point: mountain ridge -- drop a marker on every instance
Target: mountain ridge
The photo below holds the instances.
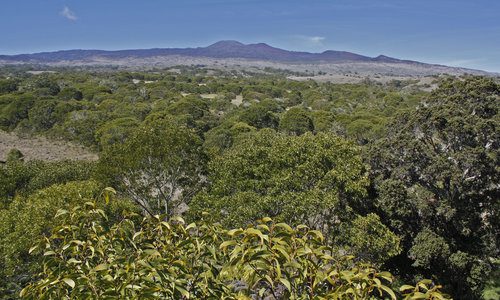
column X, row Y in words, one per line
column 220, row 49
column 230, row 53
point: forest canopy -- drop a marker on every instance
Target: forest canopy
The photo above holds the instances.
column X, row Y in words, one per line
column 227, row 185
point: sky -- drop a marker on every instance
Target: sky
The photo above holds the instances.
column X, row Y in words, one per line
column 463, row 33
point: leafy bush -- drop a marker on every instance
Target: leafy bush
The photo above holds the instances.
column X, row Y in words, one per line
column 28, row 218
column 311, row 179
column 24, row 178
column 158, row 167
column 154, row 259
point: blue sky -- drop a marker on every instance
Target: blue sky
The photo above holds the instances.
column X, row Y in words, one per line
column 454, row 32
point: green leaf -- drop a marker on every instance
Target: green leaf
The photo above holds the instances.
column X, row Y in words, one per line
column 178, row 219
column 418, row 295
column 406, row 288
column 284, row 226
column 136, row 235
column 32, row 249
column 234, row 232
column 101, row 267
column 60, row 212
column 388, row 291
column 227, row 244
column 69, row 282
column 107, row 192
column 190, row 226
column 386, row 275
column 286, row 283
column 74, row 261
column 24, row 292
column 110, row 189
column 183, row 291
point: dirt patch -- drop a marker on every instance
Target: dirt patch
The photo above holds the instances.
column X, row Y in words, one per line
column 208, row 96
column 238, row 100
column 136, row 81
column 42, row 148
column 40, row 72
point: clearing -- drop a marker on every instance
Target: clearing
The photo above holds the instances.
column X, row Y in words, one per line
column 42, row 148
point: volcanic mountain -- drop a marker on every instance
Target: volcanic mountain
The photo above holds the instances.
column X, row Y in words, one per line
column 233, row 54
column 221, row 50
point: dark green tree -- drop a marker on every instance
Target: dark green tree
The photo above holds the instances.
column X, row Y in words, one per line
column 159, row 166
column 437, row 179
column 296, row 121
column 315, row 179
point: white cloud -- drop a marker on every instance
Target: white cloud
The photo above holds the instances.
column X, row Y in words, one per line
column 317, row 39
column 310, row 41
column 68, row 14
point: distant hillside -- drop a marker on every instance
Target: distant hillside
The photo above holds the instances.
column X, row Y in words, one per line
column 222, row 49
column 236, row 54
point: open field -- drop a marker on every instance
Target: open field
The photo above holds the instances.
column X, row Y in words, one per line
column 42, row 148
column 340, row 72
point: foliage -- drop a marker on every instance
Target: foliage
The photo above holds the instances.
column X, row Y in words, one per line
column 14, row 155
column 41, row 115
column 116, row 131
column 437, row 177
column 262, row 114
column 14, row 109
column 222, row 137
column 492, row 287
column 432, row 157
column 154, row 259
column 296, row 121
column 19, row 177
column 159, row 166
column 69, row 93
column 369, row 239
column 314, row 179
column 8, row 86
column 27, row 218
column 429, row 249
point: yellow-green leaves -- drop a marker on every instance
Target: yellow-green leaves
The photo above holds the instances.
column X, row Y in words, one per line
column 69, row 282
column 155, row 259
column 107, row 192
column 297, row 179
column 424, row 289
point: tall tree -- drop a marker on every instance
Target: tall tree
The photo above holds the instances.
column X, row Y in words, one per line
column 437, row 179
column 159, row 166
column 315, row 179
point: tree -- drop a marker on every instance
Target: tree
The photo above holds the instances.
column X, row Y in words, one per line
column 262, row 114
column 80, row 126
column 116, row 131
column 370, row 240
column 159, row 166
column 70, row 93
column 296, row 121
column 41, row 115
column 29, row 218
column 44, row 85
column 8, row 86
column 324, row 121
column 193, row 106
column 14, row 155
column 153, row 259
column 315, row 179
column 437, row 182
column 14, row 109
column 222, row 137
column 18, row 177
